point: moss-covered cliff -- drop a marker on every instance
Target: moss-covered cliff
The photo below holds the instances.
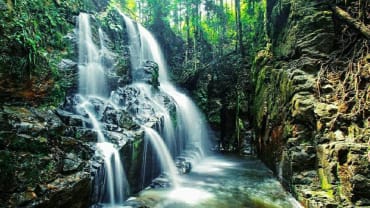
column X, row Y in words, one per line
column 310, row 105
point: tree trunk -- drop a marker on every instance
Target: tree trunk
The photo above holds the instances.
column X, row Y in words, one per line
column 356, row 24
column 239, row 27
column 223, row 28
column 187, row 23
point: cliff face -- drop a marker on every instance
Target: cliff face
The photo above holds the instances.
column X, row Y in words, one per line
column 310, row 105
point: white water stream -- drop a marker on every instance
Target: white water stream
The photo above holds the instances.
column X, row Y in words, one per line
column 91, row 84
column 191, row 130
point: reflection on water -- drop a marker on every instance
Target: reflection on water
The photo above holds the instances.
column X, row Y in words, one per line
column 223, row 181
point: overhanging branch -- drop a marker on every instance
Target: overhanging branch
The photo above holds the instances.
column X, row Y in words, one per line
column 356, row 24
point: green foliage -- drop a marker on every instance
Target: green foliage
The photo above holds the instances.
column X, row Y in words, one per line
column 32, row 30
column 32, row 43
column 155, row 75
column 206, row 22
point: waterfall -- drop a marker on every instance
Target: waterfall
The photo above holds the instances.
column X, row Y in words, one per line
column 191, row 129
column 164, row 156
column 91, row 70
column 92, row 85
column 178, row 133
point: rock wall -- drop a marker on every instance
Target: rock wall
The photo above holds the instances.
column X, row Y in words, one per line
column 41, row 163
column 217, row 89
column 310, row 104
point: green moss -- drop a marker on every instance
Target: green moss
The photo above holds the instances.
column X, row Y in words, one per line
column 354, row 131
column 155, row 75
column 286, row 87
column 325, row 185
column 34, row 39
column 214, row 119
column 173, row 115
column 122, row 67
column 29, row 144
column 136, row 152
column 273, row 89
column 260, row 106
column 288, row 130
column 262, row 202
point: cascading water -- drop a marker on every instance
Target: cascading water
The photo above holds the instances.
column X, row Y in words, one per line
column 92, row 85
column 191, row 132
column 164, row 155
column 91, row 71
column 190, row 129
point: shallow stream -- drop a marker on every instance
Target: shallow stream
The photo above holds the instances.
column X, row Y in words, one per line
column 222, row 181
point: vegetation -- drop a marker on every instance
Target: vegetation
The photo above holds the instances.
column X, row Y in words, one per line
column 210, row 29
column 32, row 42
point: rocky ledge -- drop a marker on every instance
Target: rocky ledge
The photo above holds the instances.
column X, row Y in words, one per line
column 42, row 164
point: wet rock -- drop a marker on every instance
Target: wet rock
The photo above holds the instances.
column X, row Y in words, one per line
column 134, row 203
column 305, row 177
column 41, row 189
column 303, row 161
column 67, row 65
column 303, row 106
column 328, row 88
column 302, row 82
column 125, row 121
column 71, row 163
column 322, row 152
column 183, row 166
column 160, row 182
column 309, row 198
column 110, row 115
column 71, row 191
column 339, row 136
column 26, row 197
column 24, row 142
column 148, row 73
column 361, row 185
column 324, row 110
column 73, row 119
column 246, row 146
column 8, row 171
column 34, row 156
column 85, row 134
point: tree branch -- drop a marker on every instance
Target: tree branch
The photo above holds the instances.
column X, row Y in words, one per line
column 356, row 24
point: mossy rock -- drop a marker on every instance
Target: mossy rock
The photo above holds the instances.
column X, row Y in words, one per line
column 26, row 143
column 126, row 122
